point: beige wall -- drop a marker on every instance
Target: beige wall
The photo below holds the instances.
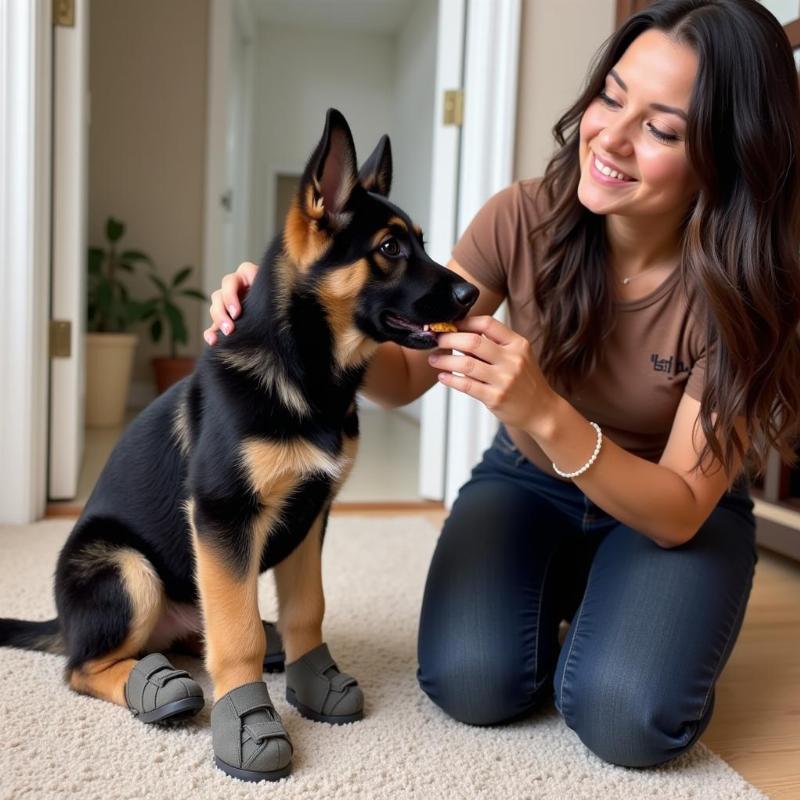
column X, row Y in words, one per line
column 558, row 40
column 147, row 78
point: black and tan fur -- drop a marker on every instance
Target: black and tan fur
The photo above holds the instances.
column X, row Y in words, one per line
column 233, row 470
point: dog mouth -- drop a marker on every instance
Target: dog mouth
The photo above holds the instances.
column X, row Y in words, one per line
column 419, row 332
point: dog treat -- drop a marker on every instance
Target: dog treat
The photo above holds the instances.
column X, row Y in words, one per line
column 443, row 327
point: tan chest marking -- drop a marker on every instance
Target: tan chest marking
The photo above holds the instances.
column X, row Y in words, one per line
column 274, row 466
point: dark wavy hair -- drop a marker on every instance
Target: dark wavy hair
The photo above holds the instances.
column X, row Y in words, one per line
column 740, row 236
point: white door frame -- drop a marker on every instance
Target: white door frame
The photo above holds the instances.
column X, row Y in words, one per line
column 25, row 125
column 70, row 179
column 487, row 164
column 447, row 142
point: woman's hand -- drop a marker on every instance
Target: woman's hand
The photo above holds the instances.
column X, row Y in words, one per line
column 225, row 302
column 498, row 368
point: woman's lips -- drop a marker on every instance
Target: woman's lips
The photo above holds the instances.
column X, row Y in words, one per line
column 606, row 180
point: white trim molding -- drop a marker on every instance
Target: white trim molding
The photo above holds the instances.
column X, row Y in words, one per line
column 487, row 163
column 25, row 161
column 219, row 37
column 442, row 230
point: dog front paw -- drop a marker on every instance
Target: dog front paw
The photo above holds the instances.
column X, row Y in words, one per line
column 250, row 742
column 320, row 691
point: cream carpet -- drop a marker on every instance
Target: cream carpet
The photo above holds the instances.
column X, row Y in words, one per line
column 56, row 744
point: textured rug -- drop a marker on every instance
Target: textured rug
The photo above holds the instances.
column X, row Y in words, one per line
column 57, row 744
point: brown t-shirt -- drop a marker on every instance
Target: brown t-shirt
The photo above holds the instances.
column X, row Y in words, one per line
column 655, row 354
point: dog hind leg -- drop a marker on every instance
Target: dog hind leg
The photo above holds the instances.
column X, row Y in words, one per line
column 105, row 676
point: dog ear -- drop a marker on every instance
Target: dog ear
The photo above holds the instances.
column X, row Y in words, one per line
column 376, row 173
column 331, row 173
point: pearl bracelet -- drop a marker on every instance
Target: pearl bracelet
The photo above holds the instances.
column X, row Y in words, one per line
column 589, row 462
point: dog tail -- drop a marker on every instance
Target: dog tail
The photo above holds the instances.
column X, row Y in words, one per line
column 43, row 636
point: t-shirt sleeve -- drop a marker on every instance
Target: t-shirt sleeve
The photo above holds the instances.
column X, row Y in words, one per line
column 697, row 377
column 486, row 247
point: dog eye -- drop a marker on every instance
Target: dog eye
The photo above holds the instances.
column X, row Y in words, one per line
column 391, row 248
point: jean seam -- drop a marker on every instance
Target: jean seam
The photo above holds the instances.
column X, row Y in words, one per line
column 574, row 637
column 537, row 684
column 739, row 615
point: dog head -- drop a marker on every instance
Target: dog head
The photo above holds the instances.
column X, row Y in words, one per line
column 361, row 254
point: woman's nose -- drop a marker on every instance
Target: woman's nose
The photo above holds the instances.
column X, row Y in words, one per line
column 615, row 139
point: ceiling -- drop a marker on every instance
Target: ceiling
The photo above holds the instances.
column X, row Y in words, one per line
column 368, row 16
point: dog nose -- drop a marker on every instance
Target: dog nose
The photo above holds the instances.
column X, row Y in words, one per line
column 465, row 294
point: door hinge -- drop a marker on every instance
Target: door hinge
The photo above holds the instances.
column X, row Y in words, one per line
column 60, row 338
column 454, row 107
column 64, row 13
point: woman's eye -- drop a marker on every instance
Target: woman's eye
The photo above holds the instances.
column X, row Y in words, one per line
column 391, row 248
column 664, row 137
column 607, row 100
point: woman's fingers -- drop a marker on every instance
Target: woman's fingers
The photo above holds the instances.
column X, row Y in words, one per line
column 231, row 284
column 248, row 270
column 235, row 286
column 210, row 336
column 219, row 313
column 225, row 301
column 466, row 365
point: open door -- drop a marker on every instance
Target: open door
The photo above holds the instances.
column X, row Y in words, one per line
column 69, row 243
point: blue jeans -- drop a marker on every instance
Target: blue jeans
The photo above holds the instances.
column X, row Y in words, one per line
column 651, row 628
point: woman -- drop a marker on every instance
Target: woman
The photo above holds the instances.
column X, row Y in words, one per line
column 653, row 288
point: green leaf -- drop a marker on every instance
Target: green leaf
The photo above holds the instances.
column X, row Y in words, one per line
column 155, row 330
column 149, row 307
column 181, row 276
column 158, row 282
column 96, row 257
column 114, row 229
column 175, row 318
column 194, row 293
column 136, row 255
column 126, row 267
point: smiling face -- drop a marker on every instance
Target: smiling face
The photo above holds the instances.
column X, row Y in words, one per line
column 633, row 124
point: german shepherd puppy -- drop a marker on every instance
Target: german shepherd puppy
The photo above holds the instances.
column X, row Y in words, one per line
column 233, row 470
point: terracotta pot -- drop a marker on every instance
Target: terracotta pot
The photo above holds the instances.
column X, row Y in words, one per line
column 109, row 363
column 171, row 370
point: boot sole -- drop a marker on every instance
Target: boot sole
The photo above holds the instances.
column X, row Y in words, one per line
column 251, row 775
column 174, row 711
column 342, row 719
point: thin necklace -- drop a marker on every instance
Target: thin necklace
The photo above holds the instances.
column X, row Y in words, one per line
column 633, row 277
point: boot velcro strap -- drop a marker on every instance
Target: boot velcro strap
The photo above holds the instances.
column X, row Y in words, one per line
column 341, row 681
column 319, row 659
column 250, row 697
column 160, row 678
column 261, row 731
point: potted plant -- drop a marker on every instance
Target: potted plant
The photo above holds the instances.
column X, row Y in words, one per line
column 165, row 313
column 109, row 345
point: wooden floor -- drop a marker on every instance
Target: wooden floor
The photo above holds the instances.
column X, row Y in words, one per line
column 756, row 722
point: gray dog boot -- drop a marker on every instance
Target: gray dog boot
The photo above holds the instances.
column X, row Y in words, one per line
column 319, row 691
column 157, row 692
column 250, row 742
